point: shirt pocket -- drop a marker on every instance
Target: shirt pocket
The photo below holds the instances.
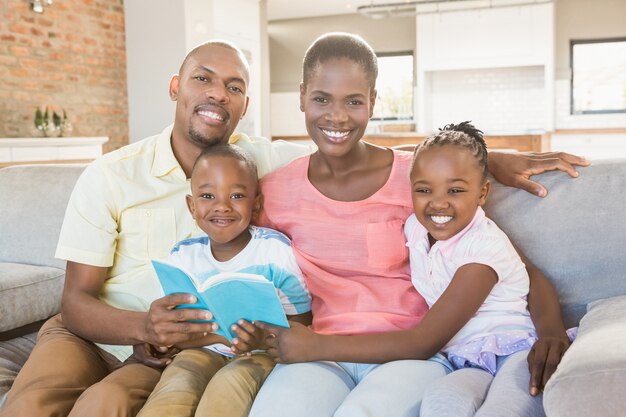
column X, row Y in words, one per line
column 147, row 233
column 386, row 245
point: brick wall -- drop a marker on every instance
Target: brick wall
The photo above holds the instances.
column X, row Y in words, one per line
column 72, row 56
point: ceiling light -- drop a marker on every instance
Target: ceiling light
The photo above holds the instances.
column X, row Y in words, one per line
column 412, row 8
column 37, row 6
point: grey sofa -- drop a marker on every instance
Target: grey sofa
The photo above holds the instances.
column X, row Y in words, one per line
column 32, row 204
column 576, row 235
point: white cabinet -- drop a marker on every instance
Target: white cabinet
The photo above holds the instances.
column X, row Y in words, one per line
column 28, row 150
column 494, row 66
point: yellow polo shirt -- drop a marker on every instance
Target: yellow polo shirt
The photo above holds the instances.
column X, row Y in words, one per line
column 128, row 207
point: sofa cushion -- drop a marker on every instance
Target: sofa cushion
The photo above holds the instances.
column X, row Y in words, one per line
column 575, row 235
column 31, row 216
column 28, row 294
column 594, row 367
column 13, row 355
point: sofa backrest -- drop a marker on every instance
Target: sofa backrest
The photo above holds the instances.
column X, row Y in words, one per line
column 576, row 235
column 32, row 205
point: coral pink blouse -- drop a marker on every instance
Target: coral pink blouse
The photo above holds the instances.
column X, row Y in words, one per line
column 352, row 254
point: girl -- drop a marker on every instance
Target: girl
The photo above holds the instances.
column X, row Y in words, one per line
column 463, row 264
column 344, row 207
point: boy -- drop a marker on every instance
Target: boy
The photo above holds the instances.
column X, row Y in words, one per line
column 225, row 198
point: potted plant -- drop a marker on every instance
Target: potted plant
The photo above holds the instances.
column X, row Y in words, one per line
column 42, row 120
column 59, row 126
column 64, row 125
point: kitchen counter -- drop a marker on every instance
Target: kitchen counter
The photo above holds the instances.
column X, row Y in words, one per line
column 15, row 151
column 538, row 142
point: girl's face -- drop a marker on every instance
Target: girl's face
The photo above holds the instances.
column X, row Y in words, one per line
column 447, row 188
column 337, row 102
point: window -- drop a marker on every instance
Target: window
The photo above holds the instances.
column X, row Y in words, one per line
column 395, row 87
column 598, row 76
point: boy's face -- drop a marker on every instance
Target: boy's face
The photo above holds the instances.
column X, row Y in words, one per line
column 224, row 200
column 447, row 187
column 337, row 102
column 210, row 94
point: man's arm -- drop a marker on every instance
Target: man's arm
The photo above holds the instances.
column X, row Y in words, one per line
column 271, row 155
column 515, row 169
column 87, row 316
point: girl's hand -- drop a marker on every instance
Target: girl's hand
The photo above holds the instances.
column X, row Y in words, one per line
column 295, row 344
column 543, row 359
column 155, row 357
column 515, row 169
column 249, row 337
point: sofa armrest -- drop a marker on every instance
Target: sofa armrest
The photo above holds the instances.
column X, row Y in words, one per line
column 590, row 379
column 28, row 294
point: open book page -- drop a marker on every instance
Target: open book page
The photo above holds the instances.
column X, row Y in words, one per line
column 175, row 280
column 229, row 296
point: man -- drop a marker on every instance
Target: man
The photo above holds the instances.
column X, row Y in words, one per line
column 127, row 208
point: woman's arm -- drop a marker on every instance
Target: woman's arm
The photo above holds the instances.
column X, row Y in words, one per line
column 459, row 302
column 250, row 336
column 545, row 311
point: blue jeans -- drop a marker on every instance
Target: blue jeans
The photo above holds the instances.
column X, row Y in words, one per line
column 473, row 392
column 325, row 389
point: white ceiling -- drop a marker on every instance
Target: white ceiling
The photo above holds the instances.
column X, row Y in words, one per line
column 293, row 9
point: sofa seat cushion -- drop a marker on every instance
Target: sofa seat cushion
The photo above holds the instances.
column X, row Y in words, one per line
column 13, row 355
column 28, row 293
column 590, row 379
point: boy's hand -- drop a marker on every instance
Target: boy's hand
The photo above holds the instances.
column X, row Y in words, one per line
column 543, row 359
column 155, row 357
column 295, row 344
column 249, row 337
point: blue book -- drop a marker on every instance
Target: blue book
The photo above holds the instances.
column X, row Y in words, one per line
column 228, row 296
